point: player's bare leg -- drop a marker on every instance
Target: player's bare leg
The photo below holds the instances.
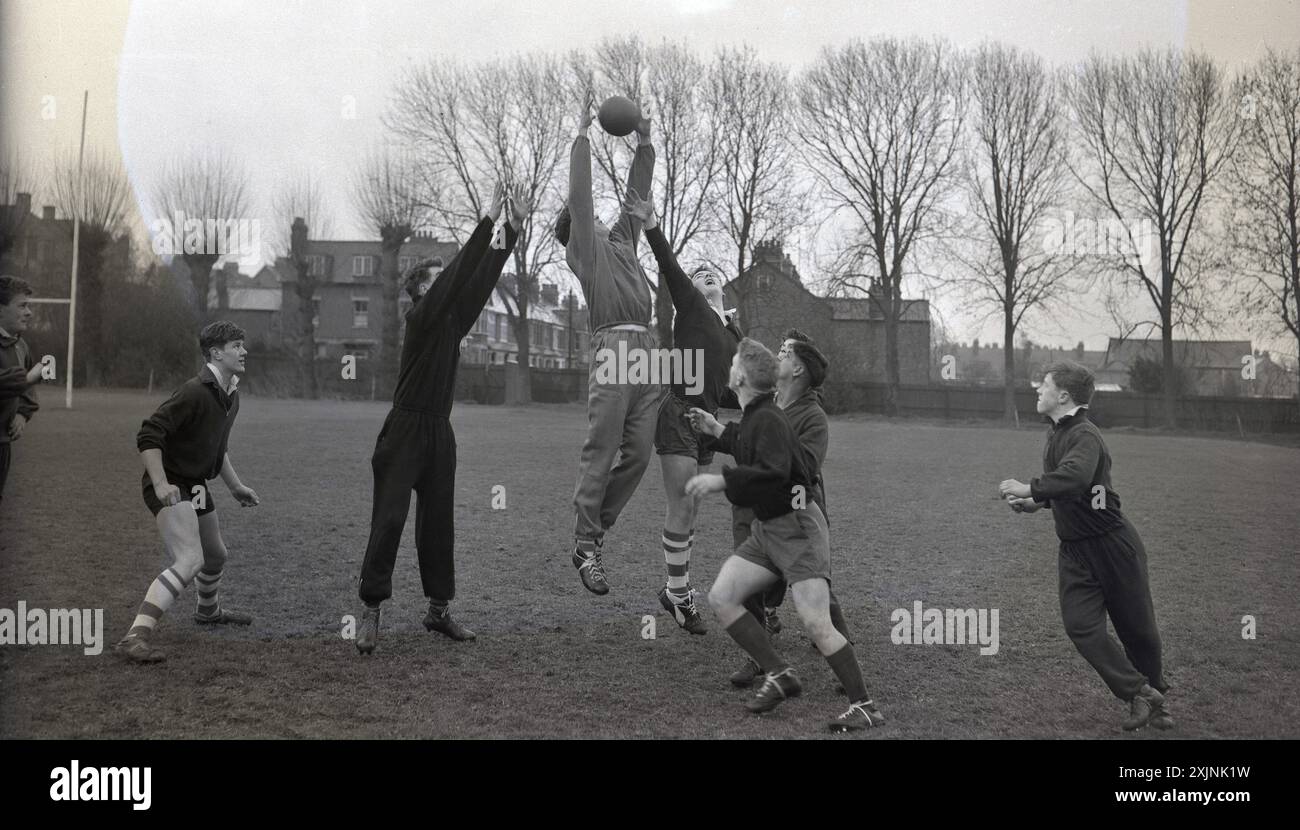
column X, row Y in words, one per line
column 812, row 601
column 178, row 525
column 737, row 580
column 208, row 581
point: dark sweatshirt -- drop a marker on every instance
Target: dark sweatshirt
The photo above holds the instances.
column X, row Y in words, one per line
column 17, row 397
column 698, row 326
column 1075, row 461
column 435, row 325
column 192, row 428
column 769, row 462
column 812, row 428
column 605, row 261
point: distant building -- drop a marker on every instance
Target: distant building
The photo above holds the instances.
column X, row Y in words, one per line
column 772, row 298
column 557, row 331
column 984, row 364
column 1211, row 367
column 41, row 252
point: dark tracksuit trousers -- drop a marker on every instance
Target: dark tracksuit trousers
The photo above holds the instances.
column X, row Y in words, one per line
column 416, row 449
column 1102, row 564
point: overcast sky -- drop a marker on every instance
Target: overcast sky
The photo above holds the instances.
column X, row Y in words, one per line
column 267, row 80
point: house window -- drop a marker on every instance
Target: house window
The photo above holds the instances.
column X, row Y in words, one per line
column 360, row 353
column 322, row 350
column 317, row 265
column 498, row 327
column 360, row 312
column 315, row 312
column 363, row 266
column 404, row 263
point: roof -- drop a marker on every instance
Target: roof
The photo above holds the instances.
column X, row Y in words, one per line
column 1193, row 354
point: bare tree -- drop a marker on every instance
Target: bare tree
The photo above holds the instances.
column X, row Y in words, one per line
column 196, row 200
column 300, row 215
column 753, row 132
column 384, row 192
column 1265, row 182
column 882, row 124
column 1155, row 129
column 99, row 196
column 1016, row 173
column 15, row 177
column 474, row 127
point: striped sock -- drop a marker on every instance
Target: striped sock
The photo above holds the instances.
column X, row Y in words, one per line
column 677, row 556
column 162, row 592
column 207, row 584
column 585, row 546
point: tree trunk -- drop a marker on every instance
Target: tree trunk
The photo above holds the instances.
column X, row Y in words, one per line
column 523, row 332
column 1171, row 370
column 90, row 307
column 892, row 375
column 200, row 267
column 1008, row 367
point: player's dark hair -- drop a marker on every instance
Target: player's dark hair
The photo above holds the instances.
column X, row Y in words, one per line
column 217, row 335
column 814, row 362
column 795, row 334
column 759, row 364
column 11, row 287
column 1074, row 378
column 416, row 275
column 563, row 222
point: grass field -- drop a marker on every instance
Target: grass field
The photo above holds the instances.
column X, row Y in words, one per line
column 914, row 517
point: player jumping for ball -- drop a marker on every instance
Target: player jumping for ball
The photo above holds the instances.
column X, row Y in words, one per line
column 701, row 326
column 183, row 446
column 786, row 541
column 416, row 449
column 620, row 416
column 1102, row 563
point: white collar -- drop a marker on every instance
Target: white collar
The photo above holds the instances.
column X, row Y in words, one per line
column 226, row 386
column 1072, row 412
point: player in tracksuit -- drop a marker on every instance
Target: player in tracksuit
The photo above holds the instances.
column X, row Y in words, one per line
column 702, row 327
column 788, row 540
column 1102, row 564
column 416, row 448
column 620, row 416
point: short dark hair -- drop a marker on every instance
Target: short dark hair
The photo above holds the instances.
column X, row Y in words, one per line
column 416, row 274
column 216, row 335
column 11, row 287
column 795, row 334
column 814, row 362
column 1074, row 378
column 563, row 222
column 759, row 364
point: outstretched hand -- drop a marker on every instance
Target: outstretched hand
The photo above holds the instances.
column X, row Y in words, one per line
column 643, row 128
column 639, row 208
column 520, row 206
column 498, row 201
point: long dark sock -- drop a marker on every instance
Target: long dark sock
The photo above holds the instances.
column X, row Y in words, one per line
column 750, row 635
column 845, row 665
column 837, row 619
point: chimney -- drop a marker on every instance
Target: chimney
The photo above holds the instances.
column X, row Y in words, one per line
column 23, row 202
column 47, row 212
column 550, row 295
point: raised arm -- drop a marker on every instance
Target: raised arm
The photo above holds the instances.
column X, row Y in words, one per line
column 470, row 299
column 641, row 210
column 639, row 179
column 457, row 272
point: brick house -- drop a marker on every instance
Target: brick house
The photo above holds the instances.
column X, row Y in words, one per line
column 42, row 248
column 771, row 298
